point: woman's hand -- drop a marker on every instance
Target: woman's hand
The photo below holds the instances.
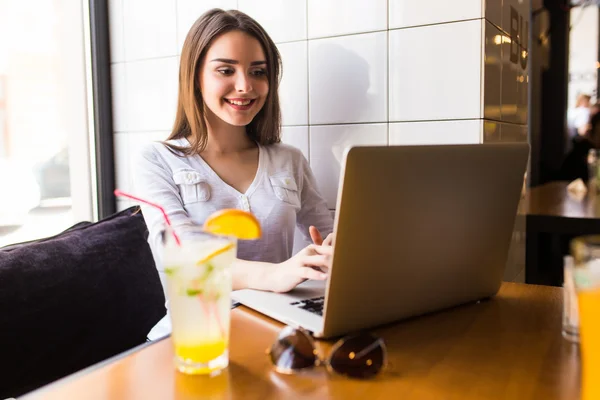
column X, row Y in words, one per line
column 317, row 238
column 310, row 263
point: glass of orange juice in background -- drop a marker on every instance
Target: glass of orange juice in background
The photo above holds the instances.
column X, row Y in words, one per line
column 586, row 274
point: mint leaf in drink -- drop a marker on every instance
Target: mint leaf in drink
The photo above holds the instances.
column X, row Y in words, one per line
column 171, row 270
column 209, row 269
column 193, row 292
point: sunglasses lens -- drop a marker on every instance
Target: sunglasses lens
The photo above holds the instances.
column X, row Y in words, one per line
column 292, row 350
column 359, row 356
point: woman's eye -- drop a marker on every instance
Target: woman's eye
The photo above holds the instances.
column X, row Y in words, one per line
column 225, row 71
column 259, row 72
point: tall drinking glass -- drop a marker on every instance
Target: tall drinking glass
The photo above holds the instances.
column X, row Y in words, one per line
column 198, row 274
column 586, row 274
column 593, row 161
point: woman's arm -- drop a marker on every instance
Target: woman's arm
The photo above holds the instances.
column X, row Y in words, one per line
column 282, row 277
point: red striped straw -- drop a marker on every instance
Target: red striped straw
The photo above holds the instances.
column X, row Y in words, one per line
column 121, row 193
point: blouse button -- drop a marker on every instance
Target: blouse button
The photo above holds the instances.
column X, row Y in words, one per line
column 245, row 203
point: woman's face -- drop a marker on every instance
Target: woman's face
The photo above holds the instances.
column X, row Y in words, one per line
column 233, row 78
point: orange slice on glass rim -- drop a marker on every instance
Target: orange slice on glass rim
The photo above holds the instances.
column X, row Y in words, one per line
column 231, row 222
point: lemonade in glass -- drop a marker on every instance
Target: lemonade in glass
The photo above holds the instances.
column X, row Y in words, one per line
column 586, row 253
column 198, row 273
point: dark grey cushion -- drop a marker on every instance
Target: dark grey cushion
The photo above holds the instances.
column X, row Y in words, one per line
column 74, row 299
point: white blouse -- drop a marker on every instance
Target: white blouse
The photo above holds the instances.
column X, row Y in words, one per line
column 282, row 196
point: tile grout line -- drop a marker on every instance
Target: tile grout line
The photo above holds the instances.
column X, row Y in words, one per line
column 482, row 59
column 379, row 30
column 389, row 60
column 308, row 152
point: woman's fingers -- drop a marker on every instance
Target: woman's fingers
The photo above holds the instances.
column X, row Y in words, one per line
column 316, row 260
column 323, row 250
column 309, row 273
column 313, row 249
column 315, row 235
column 317, row 238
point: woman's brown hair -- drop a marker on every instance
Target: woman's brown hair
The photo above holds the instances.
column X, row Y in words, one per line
column 189, row 120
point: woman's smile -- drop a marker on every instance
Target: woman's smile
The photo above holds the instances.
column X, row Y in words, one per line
column 240, row 104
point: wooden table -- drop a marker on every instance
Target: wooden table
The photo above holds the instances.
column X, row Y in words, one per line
column 509, row 347
column 553, row 200
column 553, row 217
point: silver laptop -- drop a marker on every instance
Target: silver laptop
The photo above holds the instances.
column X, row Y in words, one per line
column 418, row 229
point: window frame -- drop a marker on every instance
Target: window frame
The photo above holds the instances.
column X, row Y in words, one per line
column 102, row 108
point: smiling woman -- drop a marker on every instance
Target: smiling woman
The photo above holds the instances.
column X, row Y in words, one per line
column 224, row 152
column 227, row 60
column 234, row 90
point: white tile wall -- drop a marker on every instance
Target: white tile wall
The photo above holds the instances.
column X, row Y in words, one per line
column 435, row 72
column 341, row 17
column 123, row 176
column 327, row 147
column 348, row 79
column 116, row 32
column 404, row 13
column 296, row 136
column 151, row 94
column 436, row 132
column 293, row 90
column 283, row 20
column 119, row 97
column 127, row 147
column 123, row 204
column 150, row 29
column 188, row 11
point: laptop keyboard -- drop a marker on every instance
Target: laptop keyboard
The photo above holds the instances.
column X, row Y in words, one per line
column 314, row 305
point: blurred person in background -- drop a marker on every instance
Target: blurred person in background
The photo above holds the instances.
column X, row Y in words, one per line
column 578, row 118
column 585, row 137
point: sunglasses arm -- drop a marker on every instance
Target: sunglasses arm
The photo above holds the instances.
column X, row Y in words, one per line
column 367, row 349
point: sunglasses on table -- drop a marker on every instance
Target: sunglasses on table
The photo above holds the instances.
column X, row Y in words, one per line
column 357, row 356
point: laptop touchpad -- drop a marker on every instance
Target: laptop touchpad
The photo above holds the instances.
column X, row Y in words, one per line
column 307, row 290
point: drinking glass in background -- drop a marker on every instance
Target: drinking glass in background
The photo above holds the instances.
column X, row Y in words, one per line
column 586, row 276
column 198, row 272
column 593, row 162
column 570, row 326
